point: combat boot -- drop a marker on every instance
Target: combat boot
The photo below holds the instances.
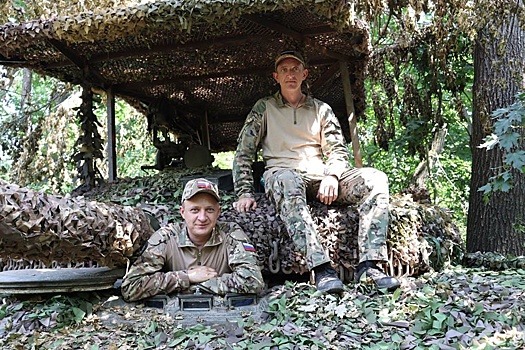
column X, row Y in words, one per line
column 326, row 280
column 369, row 269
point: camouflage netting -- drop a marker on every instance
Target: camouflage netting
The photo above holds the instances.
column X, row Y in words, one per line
column 493, row 261
column 53, row 230
column 206, row 59
column 421, row 236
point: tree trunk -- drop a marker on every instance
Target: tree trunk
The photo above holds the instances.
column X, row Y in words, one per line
column 496, row 226
column 425, row 167
column 27, row 83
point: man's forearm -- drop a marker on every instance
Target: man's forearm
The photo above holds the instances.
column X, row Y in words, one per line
column 242, row 175
column 247, row 280
column 136, row 287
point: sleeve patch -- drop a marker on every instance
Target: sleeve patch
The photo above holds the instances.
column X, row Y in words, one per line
column 248, row 247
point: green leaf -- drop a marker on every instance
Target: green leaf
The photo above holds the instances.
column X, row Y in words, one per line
column 503, row 125
column 516, row 160
column 370, row 315
column 397, row 338
column 395, row 296
column 151, row 327
column 179, row 341
column 79, row 314
column 204, row 338
column 500, row 112
column 502, row 185
column 438, row 322
column 509, row 140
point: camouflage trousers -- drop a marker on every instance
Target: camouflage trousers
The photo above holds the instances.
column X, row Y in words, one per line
column 365, row 187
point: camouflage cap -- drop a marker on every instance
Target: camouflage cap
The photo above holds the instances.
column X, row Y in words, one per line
column 289, row 54
column 200, row 185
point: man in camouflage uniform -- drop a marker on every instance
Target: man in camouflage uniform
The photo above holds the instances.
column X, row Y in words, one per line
column 306, row 157
column 216, row 256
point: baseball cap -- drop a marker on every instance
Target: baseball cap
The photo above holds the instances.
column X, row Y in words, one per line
column 289, row 54
column 200, row 185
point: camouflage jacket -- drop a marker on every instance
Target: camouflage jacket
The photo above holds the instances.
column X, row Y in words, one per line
column 162, row 267
column 307, row 139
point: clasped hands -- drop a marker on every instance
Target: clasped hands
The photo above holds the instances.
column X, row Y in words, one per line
column 198, row 274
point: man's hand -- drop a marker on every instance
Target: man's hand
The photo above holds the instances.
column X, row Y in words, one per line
column 199, row 274
column 328, row 190
column 245, row 204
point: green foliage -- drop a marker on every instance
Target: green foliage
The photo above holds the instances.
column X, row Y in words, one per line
column 43, row 160
column 507, row 137
column 448, row 181
column 40, row 158
column 134, row 145
column 5, row 163
column 223, row 160
column 416, row 84
column 55, row 312
column 411, row 96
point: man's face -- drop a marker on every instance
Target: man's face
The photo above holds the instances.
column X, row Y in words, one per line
column 290, row 73
column 200, row 213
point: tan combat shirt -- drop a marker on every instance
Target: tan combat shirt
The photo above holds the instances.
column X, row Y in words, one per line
column 162, row 267
column 307, row 139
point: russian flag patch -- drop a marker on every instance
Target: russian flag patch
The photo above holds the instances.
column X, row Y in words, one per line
column 248, row 247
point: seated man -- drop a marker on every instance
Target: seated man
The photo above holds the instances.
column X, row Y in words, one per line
column 307, row 157
column 198, row 252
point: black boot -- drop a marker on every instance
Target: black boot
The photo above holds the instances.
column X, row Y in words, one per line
column 371, row 270
column 326, row 280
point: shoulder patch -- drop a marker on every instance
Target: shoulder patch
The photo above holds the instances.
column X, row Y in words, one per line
column 248, row 247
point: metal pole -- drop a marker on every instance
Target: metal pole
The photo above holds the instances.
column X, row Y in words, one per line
column 111, row 150
column 352, row 122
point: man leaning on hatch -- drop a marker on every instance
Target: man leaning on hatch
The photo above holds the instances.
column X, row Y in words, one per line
column 306, row 157
column 200, row 252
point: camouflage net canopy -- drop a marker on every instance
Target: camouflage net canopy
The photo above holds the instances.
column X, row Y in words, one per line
column 201, row 64
column 421, row 236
